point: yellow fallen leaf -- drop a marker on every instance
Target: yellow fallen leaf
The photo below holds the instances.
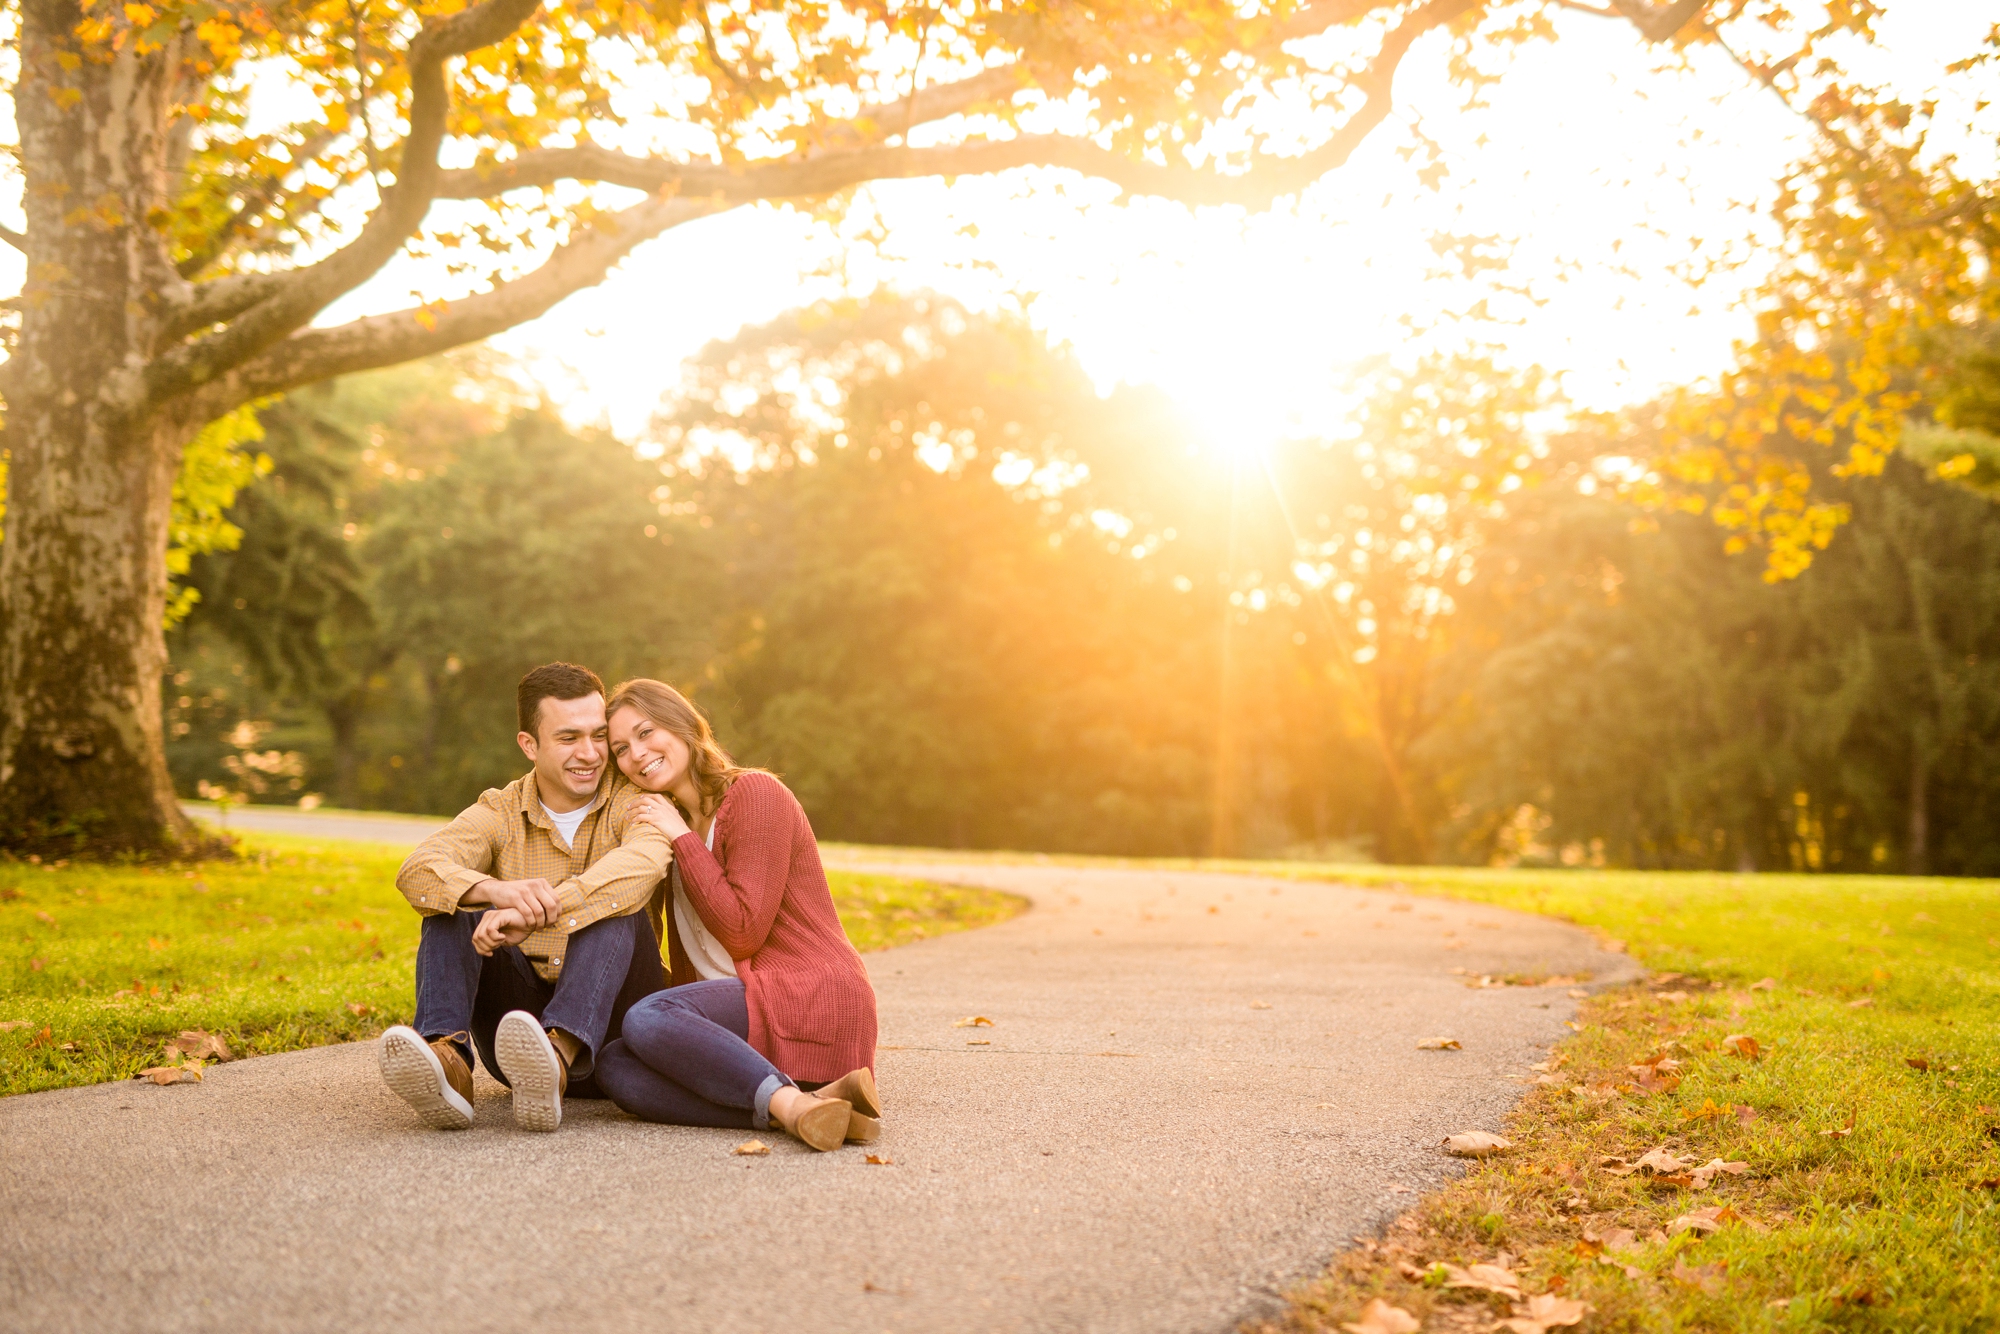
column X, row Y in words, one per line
column 877, row 1160
column 1439, row 1044
column 750, row 1148
column 1378, row 1317
column 1476, row 1144
column 972, row 1021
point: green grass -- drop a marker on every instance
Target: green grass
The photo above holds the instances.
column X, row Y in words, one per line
column 1893, row 1226
column 301, row 942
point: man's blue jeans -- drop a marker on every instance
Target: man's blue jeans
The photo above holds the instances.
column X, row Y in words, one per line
column 606, row 968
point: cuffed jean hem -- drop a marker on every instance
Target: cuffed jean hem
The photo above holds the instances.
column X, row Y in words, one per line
column 760, row 1105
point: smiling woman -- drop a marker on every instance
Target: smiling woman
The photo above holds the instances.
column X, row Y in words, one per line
column 302, row 942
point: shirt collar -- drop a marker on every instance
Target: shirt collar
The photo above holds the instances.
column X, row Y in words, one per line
column 531, row 799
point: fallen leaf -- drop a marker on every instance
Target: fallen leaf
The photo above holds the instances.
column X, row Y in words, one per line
column 1707, row 1171
column 750, row 1148
column 1672, row 997
column 973, row 1021
column 1841, row 1133
column 1620, row 1239
column 172, row 1074
column 1703, row 1221
column 43, row 1038
column 357, row 1009
column 979, row 1042
column 1765, row 984
column 1544, row 1312
column 1917, row 1062
column 1742, row 1044
column 877, row 1160
column 1708, row 1278
column 1484, row 1278
column 1378, row 1317
column 1660, row 1161
column 1260, row 1005
column 69, row 1046
column 1864, row 1003
column 1439, row 1044
column 1409, row 1271
column 1577, row 993
column 44, row 917
column 1745, row 1114
column 1475, row 1144
column 197, row 1044
column 1630, row 1271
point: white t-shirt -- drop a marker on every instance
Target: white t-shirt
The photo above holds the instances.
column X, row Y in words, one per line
column 704, row 951
column 567, row 821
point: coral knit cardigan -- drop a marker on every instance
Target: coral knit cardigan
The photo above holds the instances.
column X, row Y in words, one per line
column 763, row 893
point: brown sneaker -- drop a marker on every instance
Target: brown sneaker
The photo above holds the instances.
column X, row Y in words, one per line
column 430, row 1076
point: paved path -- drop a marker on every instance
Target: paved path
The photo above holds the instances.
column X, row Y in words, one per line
column 357, row 826
column 1196, row 1088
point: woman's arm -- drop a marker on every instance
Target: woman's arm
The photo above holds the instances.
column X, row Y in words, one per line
column 739, row 901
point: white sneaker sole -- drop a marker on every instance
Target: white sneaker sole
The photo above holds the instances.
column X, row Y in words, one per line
column 533, row 1070
column 413, row 1073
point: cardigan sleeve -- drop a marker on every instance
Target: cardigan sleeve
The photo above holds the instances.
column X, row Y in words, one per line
column 739, row 900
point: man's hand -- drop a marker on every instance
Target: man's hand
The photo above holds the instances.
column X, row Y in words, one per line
column 500, row 926
column 535, row 900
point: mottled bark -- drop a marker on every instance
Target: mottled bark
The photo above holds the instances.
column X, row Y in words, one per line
column 91, row 466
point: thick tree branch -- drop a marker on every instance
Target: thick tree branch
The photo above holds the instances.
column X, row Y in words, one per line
column 14, row 238
column 311, row 355
column 828, row 172
column 1656, row 23
column 303, row 293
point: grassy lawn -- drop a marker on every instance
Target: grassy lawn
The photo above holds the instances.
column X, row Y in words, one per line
column 303, row 942
column 1869, row 1118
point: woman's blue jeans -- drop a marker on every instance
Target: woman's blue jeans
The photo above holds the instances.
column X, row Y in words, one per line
column 684, row 1058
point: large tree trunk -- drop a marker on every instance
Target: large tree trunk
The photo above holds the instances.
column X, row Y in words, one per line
column 91, row 466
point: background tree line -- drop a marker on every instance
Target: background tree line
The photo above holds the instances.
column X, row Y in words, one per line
column 910, row 558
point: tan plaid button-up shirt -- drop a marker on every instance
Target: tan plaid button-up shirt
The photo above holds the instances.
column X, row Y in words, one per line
column 616, row 865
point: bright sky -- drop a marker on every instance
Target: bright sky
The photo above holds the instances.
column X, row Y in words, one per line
column 1598, row 167
column 1591, row 159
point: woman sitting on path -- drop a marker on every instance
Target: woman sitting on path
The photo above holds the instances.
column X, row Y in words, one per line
column 766, row 988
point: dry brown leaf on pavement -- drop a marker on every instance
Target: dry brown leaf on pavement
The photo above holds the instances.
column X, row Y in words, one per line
column 1476, row 1144
column 972, row 1021
column 1484, row 1278
column 172, row 1074
column 1439, row 1044
column 1742, row 1044
column 1378, row 1317
column 1544, row 1312
column 750, row 1148
column 877, row 1160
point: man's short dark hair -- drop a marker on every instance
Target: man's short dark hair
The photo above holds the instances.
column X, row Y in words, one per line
column 551, row 680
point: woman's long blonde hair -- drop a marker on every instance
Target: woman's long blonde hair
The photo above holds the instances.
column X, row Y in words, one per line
column 668, row 708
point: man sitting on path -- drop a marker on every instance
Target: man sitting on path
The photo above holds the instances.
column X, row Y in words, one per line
column 534, row 940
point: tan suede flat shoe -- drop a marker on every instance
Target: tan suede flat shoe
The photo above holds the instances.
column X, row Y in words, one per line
column 857, row 1087
column 822, row 1125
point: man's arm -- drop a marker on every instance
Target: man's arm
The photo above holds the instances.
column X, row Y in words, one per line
column 622, row 880
column 452, row 869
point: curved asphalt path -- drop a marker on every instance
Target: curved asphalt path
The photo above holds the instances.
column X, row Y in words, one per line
column 1196, row 1088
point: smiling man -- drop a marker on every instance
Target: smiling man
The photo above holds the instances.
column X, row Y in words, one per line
column 534, row 940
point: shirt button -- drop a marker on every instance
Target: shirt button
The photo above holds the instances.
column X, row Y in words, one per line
column 572, row 921
column 555, row 960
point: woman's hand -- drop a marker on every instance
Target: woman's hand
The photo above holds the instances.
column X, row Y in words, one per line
column 660, row 813
column 500, row 926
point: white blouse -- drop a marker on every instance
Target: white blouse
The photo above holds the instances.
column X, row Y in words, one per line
column 704, row 951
